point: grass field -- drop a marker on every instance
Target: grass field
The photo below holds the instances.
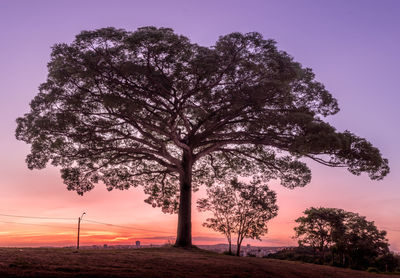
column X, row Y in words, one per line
column 154, row 262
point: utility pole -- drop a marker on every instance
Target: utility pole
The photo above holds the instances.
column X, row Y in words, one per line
column 79, row 228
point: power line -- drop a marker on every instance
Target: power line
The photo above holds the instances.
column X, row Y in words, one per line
column 37, row 217
column 125, row 227
column 33, row 224
column 392, row 230
column 64, row 218
column 98, row 222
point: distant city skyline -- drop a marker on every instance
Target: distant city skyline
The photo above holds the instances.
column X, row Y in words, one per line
column 352, row 47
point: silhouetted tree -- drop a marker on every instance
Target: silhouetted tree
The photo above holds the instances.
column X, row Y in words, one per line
column 239, row 208
column 388, row 262
column 358, row 242
column 320, row 228
column 221, row 202
column 151, row 108
column 364, row 243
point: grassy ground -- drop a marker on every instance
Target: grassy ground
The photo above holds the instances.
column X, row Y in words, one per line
column 154, row 262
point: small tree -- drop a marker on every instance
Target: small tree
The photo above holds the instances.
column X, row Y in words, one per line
column 221, row 201
column 241, row 209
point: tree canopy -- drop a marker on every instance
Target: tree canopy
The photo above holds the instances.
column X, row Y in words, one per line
column 239, row 208
column 151, row 108
column 321, row 227
column 357, row 242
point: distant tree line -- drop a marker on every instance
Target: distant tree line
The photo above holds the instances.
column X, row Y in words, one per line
column 340, row 238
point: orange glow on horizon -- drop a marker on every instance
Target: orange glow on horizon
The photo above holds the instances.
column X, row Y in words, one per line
column 65, row 234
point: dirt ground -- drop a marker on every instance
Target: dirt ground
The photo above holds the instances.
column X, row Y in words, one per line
column 155, row 262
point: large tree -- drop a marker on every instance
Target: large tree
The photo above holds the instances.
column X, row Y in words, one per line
column 151, row 108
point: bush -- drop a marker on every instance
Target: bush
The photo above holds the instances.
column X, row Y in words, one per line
column 387, row 263
column 304, row 254
column 372, row 270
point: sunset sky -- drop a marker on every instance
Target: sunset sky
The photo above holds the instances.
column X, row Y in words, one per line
column 352, row 46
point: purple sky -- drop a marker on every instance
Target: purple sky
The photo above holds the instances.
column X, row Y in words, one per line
column 352, row 46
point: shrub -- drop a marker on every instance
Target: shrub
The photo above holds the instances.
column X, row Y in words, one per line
column 372, row 270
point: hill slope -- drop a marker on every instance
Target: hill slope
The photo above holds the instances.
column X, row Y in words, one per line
column 154, row 262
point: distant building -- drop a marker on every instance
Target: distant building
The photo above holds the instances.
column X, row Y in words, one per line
column 138, row 244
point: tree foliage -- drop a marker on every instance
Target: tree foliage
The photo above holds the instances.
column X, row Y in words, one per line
column 151, row 108
column 356, row 242
column 241, row 209
column 320, row 228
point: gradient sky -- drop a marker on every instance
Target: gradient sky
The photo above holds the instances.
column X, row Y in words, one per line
column 352, row 46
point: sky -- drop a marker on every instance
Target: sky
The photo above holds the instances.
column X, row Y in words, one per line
column 352, row 47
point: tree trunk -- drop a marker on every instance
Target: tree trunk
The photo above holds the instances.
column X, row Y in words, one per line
column 322, row 250
column 184, row 234
column 239, row 243
column 238, row 250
